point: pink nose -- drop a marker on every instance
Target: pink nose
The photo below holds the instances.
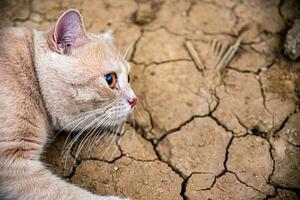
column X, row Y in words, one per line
column 132, row 102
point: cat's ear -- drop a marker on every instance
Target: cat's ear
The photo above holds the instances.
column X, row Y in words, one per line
column 68, row 33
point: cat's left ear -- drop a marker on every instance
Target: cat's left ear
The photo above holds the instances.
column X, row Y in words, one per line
column 68, row 33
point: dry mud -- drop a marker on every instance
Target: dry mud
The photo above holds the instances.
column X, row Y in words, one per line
column 196, row 134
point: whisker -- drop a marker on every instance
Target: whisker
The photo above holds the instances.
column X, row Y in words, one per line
column 84, row 140
column 118, row 140
column 68, row 147
column 104, row 133
column 101, row 133
column 105, row 123
column 85, row 114
column 86, row 118
column 112, row 141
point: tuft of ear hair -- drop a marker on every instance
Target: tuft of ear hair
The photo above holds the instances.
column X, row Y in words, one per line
column 68, row 33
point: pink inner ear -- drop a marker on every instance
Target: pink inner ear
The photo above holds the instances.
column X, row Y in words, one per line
column 68, row 31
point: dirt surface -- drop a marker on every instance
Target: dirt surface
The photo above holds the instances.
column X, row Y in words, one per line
column 196, row 134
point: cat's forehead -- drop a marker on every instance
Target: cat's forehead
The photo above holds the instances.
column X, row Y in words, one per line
column 117, row 65
column 103, row 54
column 114, row 62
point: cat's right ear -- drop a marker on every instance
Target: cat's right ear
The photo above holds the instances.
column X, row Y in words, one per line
column 68, row 33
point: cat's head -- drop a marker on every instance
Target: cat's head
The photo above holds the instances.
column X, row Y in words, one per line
column 84, row 79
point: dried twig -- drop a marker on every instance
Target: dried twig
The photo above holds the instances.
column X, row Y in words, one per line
column 193, row 53
column 224, row 53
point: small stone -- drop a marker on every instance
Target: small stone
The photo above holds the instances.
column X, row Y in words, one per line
column 144, row 14
column 292, row 41
column 263, row 69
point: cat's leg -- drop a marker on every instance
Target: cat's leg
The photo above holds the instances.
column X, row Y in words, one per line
column 23, row 176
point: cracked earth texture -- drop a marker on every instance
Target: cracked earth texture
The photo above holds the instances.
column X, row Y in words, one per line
column 196, row 134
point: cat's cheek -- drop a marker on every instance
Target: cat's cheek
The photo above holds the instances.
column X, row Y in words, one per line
column 86, row 95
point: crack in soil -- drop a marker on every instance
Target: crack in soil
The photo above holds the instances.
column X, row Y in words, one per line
column 280, row 12
column 154, row 142
column 131, row 59
column 190, row 8
column 245, row 183
column 160, row 62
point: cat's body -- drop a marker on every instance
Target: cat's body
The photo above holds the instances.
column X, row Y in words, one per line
column 45, row 84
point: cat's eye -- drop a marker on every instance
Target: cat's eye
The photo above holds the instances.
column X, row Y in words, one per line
column 111, row 79
column 128, row 78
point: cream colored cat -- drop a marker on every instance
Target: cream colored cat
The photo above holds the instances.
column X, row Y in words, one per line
column 48, row 80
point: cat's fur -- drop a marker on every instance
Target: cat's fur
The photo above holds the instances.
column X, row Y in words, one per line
column 47, row 79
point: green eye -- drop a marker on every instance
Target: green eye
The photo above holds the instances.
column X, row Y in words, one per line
column 111, row 79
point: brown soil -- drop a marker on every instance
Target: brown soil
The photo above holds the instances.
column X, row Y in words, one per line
column 196, row 134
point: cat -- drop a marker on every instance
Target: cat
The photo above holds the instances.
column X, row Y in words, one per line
column 47, row 81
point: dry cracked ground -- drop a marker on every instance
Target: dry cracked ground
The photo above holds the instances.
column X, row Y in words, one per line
column 196, row 134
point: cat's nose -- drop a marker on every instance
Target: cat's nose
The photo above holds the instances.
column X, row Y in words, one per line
column 132, row 102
